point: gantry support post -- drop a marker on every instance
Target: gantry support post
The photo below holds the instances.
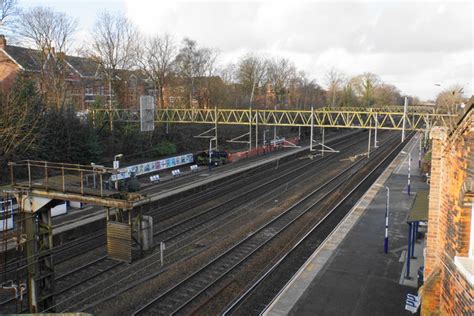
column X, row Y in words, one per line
column 39, row 246
column 31, row 246
column 275, row 127
column 322, row 143
column 312, row 130
column 256, row 130
column 376, row 127
column 250, row 129
column 215, row 126
column 405, row 106
column 368, row 145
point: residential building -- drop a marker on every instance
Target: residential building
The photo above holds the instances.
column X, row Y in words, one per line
column 85, row 85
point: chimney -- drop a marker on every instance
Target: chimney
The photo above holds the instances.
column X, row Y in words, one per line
column 3, row 41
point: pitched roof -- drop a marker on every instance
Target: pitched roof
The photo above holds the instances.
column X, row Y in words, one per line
column 30, row 60
column 86, row 67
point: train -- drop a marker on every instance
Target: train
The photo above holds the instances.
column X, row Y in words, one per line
column 218, row 158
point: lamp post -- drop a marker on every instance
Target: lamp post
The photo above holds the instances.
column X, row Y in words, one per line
column 385, row 244
column 210, row 152
column 409, row 172
column 116, row 165
column 387, row 205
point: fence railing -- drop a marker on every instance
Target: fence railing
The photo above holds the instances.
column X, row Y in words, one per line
column 64, row 177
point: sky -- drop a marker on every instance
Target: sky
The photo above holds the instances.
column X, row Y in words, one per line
column 411, row 44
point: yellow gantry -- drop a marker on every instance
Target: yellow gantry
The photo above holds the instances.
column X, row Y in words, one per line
column 389, row 117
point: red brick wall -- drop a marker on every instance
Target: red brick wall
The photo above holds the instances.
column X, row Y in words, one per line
column 8, row 72
column 449, row 222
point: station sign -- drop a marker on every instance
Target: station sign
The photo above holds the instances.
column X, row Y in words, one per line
column 147, row 113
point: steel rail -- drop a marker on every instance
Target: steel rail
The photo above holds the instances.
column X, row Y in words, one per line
column 153, row 212
column 253, row 190
column 147, row 277
column 75, row 243
column 235, row 304
column 242, row 242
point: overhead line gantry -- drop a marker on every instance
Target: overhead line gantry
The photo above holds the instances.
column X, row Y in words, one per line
column 389, row 118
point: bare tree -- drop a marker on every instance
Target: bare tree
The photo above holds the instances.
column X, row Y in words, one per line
column 334, row 80
column 450, row 100
column 46, row 29
column 386, row 94
column 364, row 85
column 251, row 74
column 209, row 75
column 228, row 74
column 8, row 10
column 279, row 74
column 156, row 59
column 348, row 95
column 113, row 49
column 21, row 111
column 50, row 32
column 192, row 63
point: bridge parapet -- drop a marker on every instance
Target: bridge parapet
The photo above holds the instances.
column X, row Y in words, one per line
column 71, row 182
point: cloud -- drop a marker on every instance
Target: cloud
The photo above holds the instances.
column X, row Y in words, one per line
column 412, row 43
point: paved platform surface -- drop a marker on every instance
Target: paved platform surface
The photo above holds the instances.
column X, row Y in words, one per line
column 350, row 274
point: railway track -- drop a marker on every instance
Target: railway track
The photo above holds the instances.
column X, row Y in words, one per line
column 260, row 293
column 76, row 247
column 179, row 297
column 75, row 278
column 152, row 260
column 187, row 202
column 199, row 222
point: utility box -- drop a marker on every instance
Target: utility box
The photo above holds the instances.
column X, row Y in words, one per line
column 147, row 232
column 119, row 241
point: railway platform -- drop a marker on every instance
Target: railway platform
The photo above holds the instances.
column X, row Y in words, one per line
column 175, row 188
column 172, row 187
column 350, row 274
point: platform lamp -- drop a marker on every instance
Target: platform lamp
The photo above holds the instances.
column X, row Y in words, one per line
column 408, row 171
column 116, row 165
column 387, row 205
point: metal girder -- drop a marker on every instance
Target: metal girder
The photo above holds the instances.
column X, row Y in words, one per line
column 88, row 199
column 323, row 117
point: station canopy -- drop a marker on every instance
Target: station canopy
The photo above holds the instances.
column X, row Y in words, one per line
column 419, row 209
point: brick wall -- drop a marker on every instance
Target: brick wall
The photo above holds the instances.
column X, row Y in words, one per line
column 446, row 291
column 8, row 73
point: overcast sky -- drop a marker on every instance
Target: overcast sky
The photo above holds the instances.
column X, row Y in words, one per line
column 412, row 45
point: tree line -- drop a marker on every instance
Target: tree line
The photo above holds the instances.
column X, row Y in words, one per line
column 119, row 49
column 37, row 123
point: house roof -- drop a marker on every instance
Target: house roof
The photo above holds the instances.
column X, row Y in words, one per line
column 84, row 66
column 29, row 59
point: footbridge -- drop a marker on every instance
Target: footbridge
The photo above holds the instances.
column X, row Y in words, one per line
column 415, row 118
